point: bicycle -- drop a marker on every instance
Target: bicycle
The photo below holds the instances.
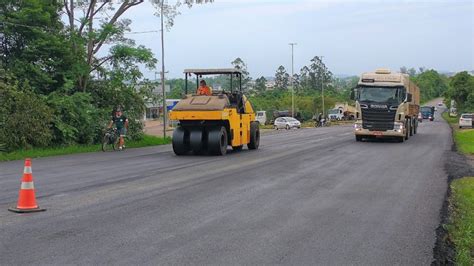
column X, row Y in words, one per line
column 110, row 139
column 322, row 123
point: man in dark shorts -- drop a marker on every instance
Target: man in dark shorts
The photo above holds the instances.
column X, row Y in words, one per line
column 121, row 123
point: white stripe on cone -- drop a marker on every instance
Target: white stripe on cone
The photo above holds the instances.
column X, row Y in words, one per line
column 27, row 170
column 27, row 185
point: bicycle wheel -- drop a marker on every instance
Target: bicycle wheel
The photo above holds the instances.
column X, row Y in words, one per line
column 115, row 144
column 105, row 143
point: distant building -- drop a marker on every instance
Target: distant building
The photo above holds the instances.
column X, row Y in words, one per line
column 270, row 85
column 153, row 105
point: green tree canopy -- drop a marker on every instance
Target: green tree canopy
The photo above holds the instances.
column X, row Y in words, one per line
column 462, row 91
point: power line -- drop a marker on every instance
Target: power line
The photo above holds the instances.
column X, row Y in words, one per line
column 26, row 26
column 141, row 32
column 51, row 30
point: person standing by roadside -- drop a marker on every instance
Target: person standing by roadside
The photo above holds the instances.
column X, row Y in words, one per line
column 121, row 123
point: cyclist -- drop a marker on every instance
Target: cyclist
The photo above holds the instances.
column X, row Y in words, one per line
column 121, row 123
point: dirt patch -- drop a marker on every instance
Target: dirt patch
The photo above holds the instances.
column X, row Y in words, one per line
column 456, row 166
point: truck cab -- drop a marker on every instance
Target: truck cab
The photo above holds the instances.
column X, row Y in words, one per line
column 261, row 117
column 427, row 112
column 335, row 114
column 387, row 105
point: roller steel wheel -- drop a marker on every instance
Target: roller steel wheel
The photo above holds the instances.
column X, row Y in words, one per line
column 180, row 141
column 254, row 136
column 217, row 141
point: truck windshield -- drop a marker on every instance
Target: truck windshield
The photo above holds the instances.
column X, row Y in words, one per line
column 333, row 111
column 392, row 95
column 426, row 109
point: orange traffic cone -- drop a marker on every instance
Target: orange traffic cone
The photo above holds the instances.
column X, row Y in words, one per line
column 27, row 198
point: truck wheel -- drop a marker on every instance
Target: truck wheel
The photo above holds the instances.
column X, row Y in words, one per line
column 411, row 127
column 415, row 129
column 358, row 138
column 180, row 141
column 407, row 129
column 254, row 136
column 217, row 141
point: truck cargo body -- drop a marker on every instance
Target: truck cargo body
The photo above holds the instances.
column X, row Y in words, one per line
column 387, row 105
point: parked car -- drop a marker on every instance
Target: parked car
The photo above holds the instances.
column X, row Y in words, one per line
column 420, row 117
column 465, row 120
column 440, row 104
column 286, row 122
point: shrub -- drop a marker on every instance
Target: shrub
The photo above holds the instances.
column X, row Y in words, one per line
column 76, row 119
column 25, row 118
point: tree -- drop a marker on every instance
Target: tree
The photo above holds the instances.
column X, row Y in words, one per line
column 304, row 77
column 281, row 78
column 171, row 10
column 260, row 84
column 240, row 64
column 89, row 33
column 403, row 70
column 412, row 72
column 296, row 81
column 431, row 84
column 32, row 44
column 319, row 73
column 462, row 91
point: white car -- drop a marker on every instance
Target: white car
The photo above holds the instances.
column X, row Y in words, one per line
column 465, row 120
column 286, row 122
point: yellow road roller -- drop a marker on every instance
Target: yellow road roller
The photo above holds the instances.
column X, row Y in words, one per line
column 209, row 123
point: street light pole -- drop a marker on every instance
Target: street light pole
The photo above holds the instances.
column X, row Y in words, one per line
column 163, row 68
column 291, row 81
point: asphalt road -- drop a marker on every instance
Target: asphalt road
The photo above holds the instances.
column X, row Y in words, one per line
column 310, row 196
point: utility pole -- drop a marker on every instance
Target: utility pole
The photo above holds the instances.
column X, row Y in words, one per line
column 322, row 86
column 163, row 68
column 291, row 80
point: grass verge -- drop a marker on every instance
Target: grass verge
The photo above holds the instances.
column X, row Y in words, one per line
column 464, row 138
column 453, row 121
column 72, row 149
column 461, row 227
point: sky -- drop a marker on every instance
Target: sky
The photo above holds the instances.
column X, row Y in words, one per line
column 353, row 36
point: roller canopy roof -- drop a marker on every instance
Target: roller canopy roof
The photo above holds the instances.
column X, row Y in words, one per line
column 213, row 71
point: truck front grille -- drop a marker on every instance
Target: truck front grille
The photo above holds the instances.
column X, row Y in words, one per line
column 378, row 119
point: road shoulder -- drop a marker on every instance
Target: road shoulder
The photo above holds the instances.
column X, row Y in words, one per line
column 458, row 167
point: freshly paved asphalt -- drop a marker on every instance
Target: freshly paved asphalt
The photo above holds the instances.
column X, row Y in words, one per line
column 310, row 196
